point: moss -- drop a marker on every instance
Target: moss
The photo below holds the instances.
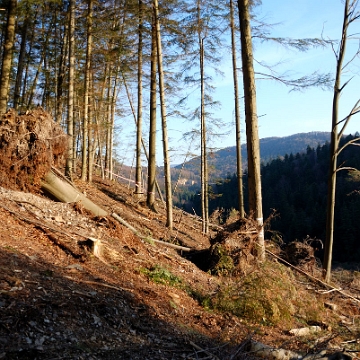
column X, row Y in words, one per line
column 265, row 296
column 223, row 262
column 161, row 275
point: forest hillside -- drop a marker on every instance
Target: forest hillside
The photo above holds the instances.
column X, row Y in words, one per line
column 295, row 187
column 121, row 285
column 223, row 162
column 139, row 299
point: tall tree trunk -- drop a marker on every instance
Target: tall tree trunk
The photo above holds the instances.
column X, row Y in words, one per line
column 25, row 79
column 138, row 190
column 334, row 147
column 7, row 55
column 204, row 167
column 70, row 115
column 168, row 192
column 150, row 198
column 21, row 58
column 142, row 140
column 85, row 130
column 112, row 122
column 92, row 132
column 252, row 133
column 239, row 172
column 61, row 75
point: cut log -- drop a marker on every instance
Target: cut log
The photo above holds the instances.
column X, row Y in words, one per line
column 136, row 232
column 65, row 192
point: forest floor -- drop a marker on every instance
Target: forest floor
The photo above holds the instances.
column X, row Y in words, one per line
column 135, row 298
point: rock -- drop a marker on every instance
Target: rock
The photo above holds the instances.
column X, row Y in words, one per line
column 305, row 331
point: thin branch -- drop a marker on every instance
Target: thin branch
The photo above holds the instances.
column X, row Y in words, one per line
column 319, row 80
column 354, row 111
column 350, row 142
column 346, row 168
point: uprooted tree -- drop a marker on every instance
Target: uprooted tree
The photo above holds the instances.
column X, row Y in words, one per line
column 30, row 144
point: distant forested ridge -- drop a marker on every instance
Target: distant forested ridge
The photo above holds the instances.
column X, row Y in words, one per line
column 223, row 162
column 296, row 187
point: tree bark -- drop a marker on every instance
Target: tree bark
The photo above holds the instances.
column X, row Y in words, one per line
column 7, row 55
column 168, row 192
column 70, row 115
column 85, row 127
column 252, row 133
column 65, row 192
column 61, row 73
column 150, row 199
column 239, row 172
column 204, row 167
column 21, row 58
column 138, row 172
column 334, row 146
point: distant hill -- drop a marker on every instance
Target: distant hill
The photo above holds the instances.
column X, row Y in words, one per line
column 223, row 162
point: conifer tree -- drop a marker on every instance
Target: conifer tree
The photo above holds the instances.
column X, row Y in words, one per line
column 7, row 54
column 252, row 134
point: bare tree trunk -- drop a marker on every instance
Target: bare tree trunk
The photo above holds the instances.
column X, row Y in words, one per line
column 70, row 115
column 85, row 130
column 108, row 128
column 239, row 172
column 60, row 75
column 150, row 199
column 169, row 210
column 112, row 122
column 21, row 58
column 92, row 133
column 204, row 167
column 7, row 55
column 252, row 133
column 334, row 147
column 142, row 140
column 138, row 189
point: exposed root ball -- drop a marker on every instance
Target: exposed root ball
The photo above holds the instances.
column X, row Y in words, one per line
column 30, row 144
column 233, row 250
column 299, row 254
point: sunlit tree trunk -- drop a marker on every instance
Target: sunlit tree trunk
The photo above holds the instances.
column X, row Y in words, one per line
column 252, row 133
column 204, row 167
column 70, row 115
column 168, row 192
column 150, row 198
column 138, row 172
column 112, row 123
column 107, row 126
column 334, row 147
column 239, row 172
column 85, row 130
column 7, row 55
column 61, row 34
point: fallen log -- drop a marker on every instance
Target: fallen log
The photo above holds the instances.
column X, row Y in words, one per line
column 136, row 232
column 65, row 192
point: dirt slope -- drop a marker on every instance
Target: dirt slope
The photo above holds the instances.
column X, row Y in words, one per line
column 60, row 301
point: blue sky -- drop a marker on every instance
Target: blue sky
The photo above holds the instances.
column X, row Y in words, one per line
column 281, row 112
